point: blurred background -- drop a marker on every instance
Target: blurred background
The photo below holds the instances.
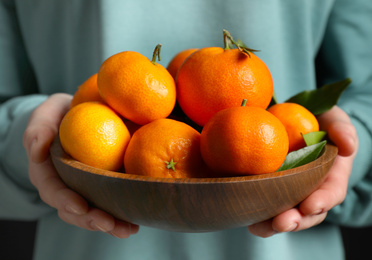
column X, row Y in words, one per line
column 17, row 241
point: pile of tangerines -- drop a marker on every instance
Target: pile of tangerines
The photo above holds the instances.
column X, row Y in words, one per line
column 121, row 118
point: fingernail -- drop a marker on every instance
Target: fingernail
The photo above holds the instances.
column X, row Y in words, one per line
column 275, row 232
column 122, row 231
column 74, row 210
column 31, row 145
column 114, row 235
column 292, row 227
column 121, row 235
column 317, row 212
column 134, row 229
column 353, row 142
column 30, row 152
column 98, row 227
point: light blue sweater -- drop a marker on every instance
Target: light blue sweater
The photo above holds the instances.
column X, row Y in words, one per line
column 49, row 46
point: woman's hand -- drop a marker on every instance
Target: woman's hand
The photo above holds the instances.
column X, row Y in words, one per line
column 72, row 208
column 313, row 210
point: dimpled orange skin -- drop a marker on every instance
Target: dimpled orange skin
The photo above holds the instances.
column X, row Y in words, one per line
column 94, row 134
column 297, row 120
column 212, row 79
column 161, row 141
column 87, row 91
column 177, row 61
column 243, row 141
column 136, row 88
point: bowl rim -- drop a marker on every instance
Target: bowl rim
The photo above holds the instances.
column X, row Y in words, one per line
column 58, row 153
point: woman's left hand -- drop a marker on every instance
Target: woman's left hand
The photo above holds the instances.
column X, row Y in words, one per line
column 313, row 210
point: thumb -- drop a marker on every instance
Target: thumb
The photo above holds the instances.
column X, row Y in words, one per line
column 43, row 126
column 340, row 130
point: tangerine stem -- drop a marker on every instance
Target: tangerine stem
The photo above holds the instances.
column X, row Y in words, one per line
column 244, row 103
column 171, row 165
column 156, row 53
column 228, row 41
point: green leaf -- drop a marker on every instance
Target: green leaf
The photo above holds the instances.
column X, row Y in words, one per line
column 274, row 100
column 322, row 99
column 314, row 137
column 302, row 156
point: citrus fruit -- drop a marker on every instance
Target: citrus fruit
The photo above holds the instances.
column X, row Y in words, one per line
column 94, row 134
column 137, row 88
column 87, row 91
column 215, row 78
column 165, row 148
column 244, row 140
column 177, row 61
column 297, row 120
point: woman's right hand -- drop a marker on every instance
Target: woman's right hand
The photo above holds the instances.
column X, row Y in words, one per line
column 72, row 208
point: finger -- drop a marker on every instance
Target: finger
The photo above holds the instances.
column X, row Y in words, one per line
column 98, row 220
column 262, row 229
column 293, row 220
column 340, row 130
column 53, row 191
column 38, row 138
column 71, row 207
column 43, row 126
column 94, row 219
column 344, row 136
column 124, row 229
column 332, row 192
column 134, row 229
column 288, row 221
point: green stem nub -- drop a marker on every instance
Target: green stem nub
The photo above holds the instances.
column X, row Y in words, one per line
column 156, row 54
column 244, row 103
column 229, row 42
column 171, row 165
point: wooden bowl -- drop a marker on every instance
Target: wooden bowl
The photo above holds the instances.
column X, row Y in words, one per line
column 192, row 205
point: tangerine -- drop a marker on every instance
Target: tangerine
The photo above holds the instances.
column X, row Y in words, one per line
column 87, row 91
column 177, row 61
column 244, row 140
column 215, row 78
column 137, row 88
column 94, row 134
column 297, row 120
column 165, row 148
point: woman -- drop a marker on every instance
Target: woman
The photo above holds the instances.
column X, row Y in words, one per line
column 50, row 46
